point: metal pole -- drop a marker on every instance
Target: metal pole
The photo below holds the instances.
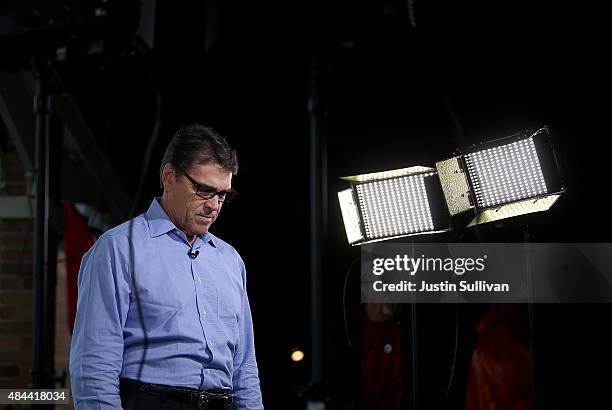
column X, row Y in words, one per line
column 317, row 221
column 414, row 344
column 531, row 313
column 40, row 375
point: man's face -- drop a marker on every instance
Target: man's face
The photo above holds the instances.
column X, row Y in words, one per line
column 189, row 212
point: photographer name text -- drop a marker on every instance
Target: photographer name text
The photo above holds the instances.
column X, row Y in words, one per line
column 445, row 286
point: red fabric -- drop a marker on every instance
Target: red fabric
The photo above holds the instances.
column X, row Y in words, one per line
column 500, row 369
column 381, row 373
column 77, row 241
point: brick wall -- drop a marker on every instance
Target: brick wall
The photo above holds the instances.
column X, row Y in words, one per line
column 16, row 265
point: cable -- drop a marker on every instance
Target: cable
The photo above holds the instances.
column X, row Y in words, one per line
column 452, row 372
column 344, row 309
column 344, row 312
column 457, row 238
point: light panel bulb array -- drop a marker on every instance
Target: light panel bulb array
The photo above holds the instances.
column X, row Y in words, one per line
column 394, row 207
column 505, row 174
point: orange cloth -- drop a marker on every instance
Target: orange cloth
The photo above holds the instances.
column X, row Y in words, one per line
column 500, row 370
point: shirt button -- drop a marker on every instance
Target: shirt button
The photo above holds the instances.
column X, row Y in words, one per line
column 204, row 311
column 388, row 348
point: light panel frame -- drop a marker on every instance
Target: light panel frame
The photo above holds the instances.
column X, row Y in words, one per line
column 461, row 190
column 357, row 216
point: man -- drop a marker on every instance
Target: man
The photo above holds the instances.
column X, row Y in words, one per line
column 163, row 319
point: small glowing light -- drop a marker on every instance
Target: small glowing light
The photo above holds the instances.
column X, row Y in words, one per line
column 297, row 355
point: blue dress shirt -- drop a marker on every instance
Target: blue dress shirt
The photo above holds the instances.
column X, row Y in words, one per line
column 195, row 327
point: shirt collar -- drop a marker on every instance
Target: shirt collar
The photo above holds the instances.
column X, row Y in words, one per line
column 159, row 222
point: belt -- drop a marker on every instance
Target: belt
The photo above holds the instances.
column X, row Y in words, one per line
column 199, row 399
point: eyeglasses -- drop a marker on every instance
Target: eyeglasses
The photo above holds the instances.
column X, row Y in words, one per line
column 206, row 192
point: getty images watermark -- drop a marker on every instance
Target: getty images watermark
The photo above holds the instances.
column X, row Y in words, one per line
column 411, row 266
column 486, row 273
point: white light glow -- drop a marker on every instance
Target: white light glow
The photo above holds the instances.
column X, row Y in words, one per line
column 396, row 206
column 506, row 174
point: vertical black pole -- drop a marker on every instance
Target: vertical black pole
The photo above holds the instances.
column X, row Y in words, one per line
column 531, row 313
column 318, row 198
column 40, row 374
column 55, row 232
column 414, row 345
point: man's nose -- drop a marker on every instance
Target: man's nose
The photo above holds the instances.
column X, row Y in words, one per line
column 213, row 203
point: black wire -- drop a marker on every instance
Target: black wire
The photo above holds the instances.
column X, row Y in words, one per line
column 344, row 309
column 452, row 372
column 458, row 238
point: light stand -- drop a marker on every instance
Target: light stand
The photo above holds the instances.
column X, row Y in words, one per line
column 318, row 210
column 414, row 345
column 41, row 377
column 531, row 313
column 45, row 275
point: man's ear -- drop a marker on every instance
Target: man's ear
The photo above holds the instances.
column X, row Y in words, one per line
column 168, row 177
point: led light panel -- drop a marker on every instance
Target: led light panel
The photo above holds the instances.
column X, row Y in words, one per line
column 350, row 215
column 507, row 173
column 394, row 207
